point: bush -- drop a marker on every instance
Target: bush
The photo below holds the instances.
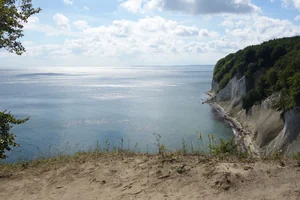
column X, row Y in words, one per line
column 7, row 139
column 249, row 100
column 225, row 81
column 228, row 148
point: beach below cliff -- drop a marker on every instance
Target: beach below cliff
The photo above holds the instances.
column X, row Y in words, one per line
column 152, row 177
column 242, row 136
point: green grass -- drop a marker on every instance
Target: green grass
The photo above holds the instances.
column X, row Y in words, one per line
column 222, row 150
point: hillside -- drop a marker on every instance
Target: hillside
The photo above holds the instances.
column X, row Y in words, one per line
column 273, row 66
column 259, row 86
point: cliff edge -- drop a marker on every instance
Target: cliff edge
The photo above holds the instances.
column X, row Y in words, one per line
column 260, row 87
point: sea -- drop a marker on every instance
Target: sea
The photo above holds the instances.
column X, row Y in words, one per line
column 75, row 109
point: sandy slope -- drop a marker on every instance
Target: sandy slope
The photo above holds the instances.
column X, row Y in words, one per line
column 143, row 177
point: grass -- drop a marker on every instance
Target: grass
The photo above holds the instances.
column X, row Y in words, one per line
column 47, row 162
column 296, row 156
column 223, row 150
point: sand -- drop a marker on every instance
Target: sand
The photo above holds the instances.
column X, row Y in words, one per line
column 151, row 177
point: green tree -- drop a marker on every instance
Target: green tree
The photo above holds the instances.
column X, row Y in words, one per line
column 7, row 139
column 278, row 52
column 272, row 78
column 250, row 55
column 13, row 15
column 272, row 67
column 294, row 82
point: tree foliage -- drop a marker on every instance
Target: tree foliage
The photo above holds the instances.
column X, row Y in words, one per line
column 13, row 15
column 270, row 67
column 7, row 139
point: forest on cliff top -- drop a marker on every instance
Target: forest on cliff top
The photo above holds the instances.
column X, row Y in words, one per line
column 271, row 67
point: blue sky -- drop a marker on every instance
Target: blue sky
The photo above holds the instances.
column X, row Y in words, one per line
column 149, row 32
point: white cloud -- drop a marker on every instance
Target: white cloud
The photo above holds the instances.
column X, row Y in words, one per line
column 81, row 25
column 206, row 33
column 68, row 2
column 295, row 3
column 227, row 23
column 187, row 31
column 256, row 29
column 195, row 7
column 154, row 40
column 32, row 22
column 149, row 36
column 132, row 5
column 297, row 18
column 62, row 22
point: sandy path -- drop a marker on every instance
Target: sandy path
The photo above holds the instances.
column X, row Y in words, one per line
column 142, row 177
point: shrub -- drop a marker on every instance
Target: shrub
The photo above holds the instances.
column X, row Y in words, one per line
column 7, row 139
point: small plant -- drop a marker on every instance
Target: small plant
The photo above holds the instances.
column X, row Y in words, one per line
column 277, row 155
column 209, row 140
column 128, row 149
column 161, row 147
column 107, row 145
column 213, row 139
column 226, row 148
column 200, row 137
column 98, row 147
column 296, row 156
column 135, row 147
column 192, row 147
column 201, row 148
column 183, row 146
column 122, row 144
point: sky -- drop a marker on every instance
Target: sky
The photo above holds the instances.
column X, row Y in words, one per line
column 97, row 33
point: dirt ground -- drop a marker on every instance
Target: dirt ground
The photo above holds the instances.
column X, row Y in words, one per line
column 144, row 177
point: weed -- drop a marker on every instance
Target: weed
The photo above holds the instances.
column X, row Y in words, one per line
column 227, row 148
column 277, row 155
column 183, row 146
column 296, row 156
column 122, row 144
column 135, row 147
column 220, row 150
column 107, row 145
column 192, row 147
column 161, row 147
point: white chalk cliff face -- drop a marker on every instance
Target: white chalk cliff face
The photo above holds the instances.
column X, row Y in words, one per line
column 270, row 133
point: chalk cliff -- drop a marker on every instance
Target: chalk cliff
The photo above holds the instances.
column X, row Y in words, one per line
column 269, row 131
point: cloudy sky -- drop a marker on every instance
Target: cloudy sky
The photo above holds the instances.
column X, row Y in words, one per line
column 149, row 32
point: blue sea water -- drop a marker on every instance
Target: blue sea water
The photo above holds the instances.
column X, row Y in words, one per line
column 71, row 109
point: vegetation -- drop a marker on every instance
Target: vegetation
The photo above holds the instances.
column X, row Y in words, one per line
column 13, row 15
column 214, row 149
column 229, row 150
column 271, row 67
column 7, row 139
